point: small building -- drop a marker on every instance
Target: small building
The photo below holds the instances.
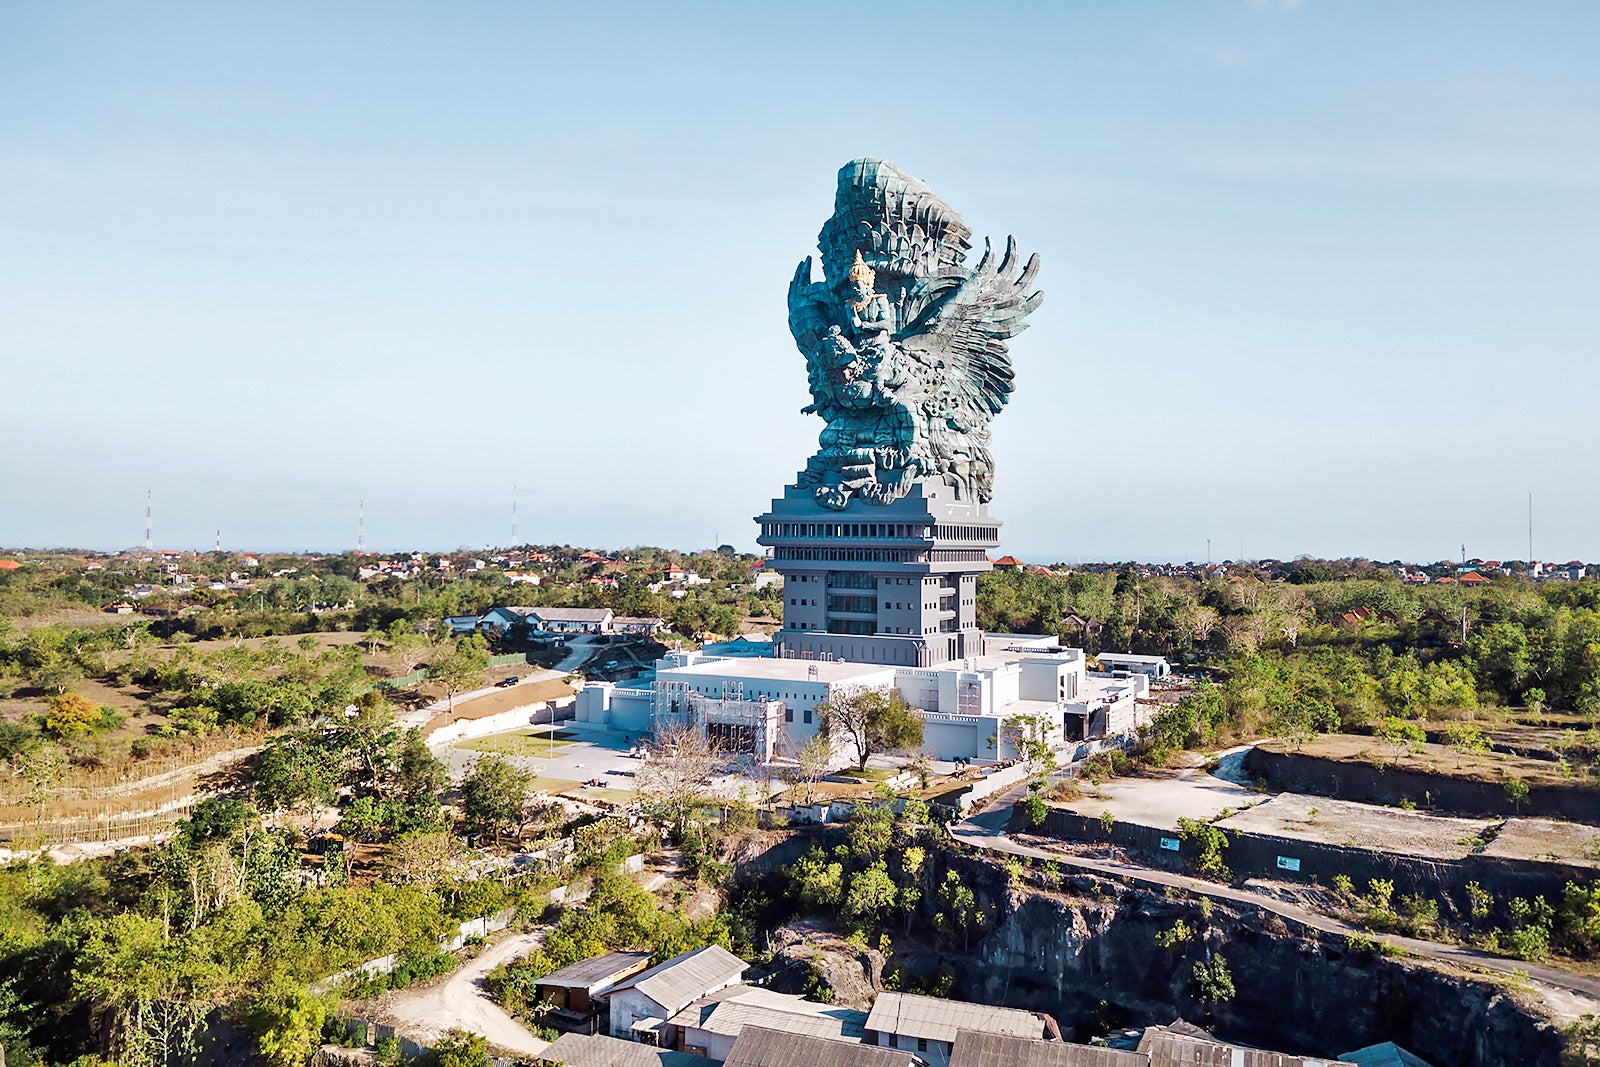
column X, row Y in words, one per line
column 1009, row 563
column 711, row 1025
column 641, row 1005
column 573, row 620
column 1154, row 666
column 121, row 607
column 638, row 624
column 462, row 624
column 928, row 1026
column 571, row 990
column 973, row 1048
column 762, row 1046
column 598, row 1050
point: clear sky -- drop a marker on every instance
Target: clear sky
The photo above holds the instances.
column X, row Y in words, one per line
column 1321, row 276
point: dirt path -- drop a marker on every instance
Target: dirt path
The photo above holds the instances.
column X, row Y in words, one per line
column 461, row 1002
column 1563, row 993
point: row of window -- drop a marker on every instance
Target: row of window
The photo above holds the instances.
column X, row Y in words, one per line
column 966, row 533
column 845, row 529
column 861, row 555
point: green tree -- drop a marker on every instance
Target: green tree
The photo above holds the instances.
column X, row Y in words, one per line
column 1211, row 980
column 462, row 668
column 287, row 1020
column 872, row 893
column 461, row 1049
column 871, row 721
column 494, row 796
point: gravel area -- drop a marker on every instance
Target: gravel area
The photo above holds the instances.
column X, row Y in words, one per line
column 1340, row 822
column 1548, row 839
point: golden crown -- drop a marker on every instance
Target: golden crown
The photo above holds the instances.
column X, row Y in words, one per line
column 859, row 271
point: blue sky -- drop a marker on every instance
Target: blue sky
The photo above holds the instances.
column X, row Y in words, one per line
column 1320, row 276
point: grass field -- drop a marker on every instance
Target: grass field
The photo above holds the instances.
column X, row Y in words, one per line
column 554, row 785
column 615, row 796
column 530, row 743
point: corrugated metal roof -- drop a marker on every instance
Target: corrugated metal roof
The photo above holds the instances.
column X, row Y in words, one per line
column 941, row 1020
column 731, row 1017
column 760, row 1046
column 597, row 970
column 974, row 1049
column 726, row 1011
column 598, row 1050
column 571, row 614
column 1169, row 1049
column 684, row 978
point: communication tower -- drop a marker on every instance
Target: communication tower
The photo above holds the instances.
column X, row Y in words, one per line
column 149, row 539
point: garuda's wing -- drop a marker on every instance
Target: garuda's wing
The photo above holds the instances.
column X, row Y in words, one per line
column 958, row 325
column 811, row 312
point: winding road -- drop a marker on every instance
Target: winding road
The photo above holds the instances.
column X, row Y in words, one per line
column 1557, row 988
column 462, row 1003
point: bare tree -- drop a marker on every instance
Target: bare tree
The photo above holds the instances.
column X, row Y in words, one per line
column 811, row 765
column 676, row 774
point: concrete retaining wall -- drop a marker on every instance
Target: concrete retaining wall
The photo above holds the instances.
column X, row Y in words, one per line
column 541, row 711
column 1298, row 772
column 1251, row 855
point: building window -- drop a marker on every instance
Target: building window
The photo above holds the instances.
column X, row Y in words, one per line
column 922, row 1044
column 788, row 715
column 808, row 715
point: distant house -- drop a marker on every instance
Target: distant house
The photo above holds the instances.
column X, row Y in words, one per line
column 1473, row 578
column 1154, row 666
column 598, row 1050
column 571, row 990
column 505, row 618
column 928, row 1026
column 523, row 578
column 462, row 624
column 1009, row 563
column 638, row 624
column 641, row 1005
column 763, row 1046
column 121, row 607
column 573, row 620
column 1073, row 623
column 10, row 565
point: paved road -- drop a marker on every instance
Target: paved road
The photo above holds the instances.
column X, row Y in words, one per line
column 462, row 1003
column 987, row 831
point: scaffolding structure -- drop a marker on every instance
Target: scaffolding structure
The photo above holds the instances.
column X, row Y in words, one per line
column 743, row 728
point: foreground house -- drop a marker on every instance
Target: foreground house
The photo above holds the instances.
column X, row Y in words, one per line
column 928, row 1026
column 976, row 1049
column 571, row 991
column 598, row 1050
column 641, row 1005
column 761, row 1046
column 711, row 1025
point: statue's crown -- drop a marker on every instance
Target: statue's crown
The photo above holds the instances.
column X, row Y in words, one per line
column 860, row 272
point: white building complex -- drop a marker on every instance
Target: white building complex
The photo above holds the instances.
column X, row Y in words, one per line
column 766, row 707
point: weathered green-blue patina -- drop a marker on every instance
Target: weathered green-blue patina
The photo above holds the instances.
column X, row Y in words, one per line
column 906, row 346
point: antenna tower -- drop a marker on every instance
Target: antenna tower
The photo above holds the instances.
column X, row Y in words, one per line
column 219, row 541
column 514, row 541
column 361, row 525
column 149, row 539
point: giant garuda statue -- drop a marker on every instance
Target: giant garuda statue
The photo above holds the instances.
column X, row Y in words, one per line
column 906, row 346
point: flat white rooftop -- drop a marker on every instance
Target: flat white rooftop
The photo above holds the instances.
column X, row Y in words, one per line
column 782, row 670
